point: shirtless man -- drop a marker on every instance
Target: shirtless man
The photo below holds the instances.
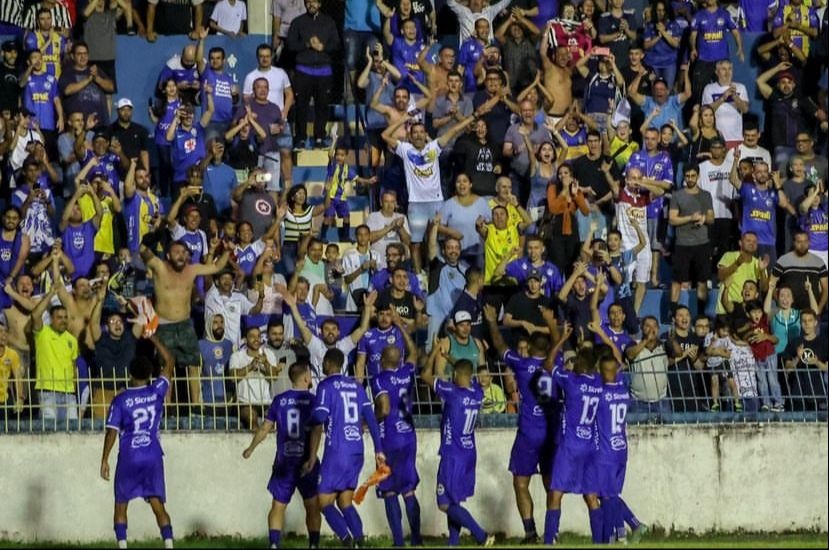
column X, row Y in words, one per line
column 399, row 108
column 437, row 75
column 174, row 280
column 19, row 323
column 558, row 81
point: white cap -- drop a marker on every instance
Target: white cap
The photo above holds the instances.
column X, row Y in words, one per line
column 124, row 102
column 462, row 316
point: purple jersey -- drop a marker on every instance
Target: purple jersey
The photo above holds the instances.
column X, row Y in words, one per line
column 404, row 54
column 39, row 98
column 136, row 413
column 756, row 13
column 397, row 429
column 657, row 166
column 621, row 339
column 290, row 412
column 711, row 28
column 372, row 344
column 815, row 223
column 187, row 150
column 551, row 280
column 468, row 55
column 164, row 122
column 460, row 413
column 341, row 404
column 79, row 245
column 613, row 407
column 108, row 164
column 222, row 85
column 532, row 419
column 582, row 394
column 759, row 212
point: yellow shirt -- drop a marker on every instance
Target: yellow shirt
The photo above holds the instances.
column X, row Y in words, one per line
column 499, row 244
column 513, row 216
column 55, row 356
column 622, row 158
column 746, row 272
column 494, row 400
column 9, row 364
column 104, row 238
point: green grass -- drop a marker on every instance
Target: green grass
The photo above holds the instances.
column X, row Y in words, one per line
column 749, row 540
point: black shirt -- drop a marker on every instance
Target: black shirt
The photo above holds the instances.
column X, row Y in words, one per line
column 9, row 88
column 404, row 306
column 478, row 162
column 524, row 308
column 134, row 138
column 497, row 119
column 113, row 358
column 589, row 173
column 300, row 32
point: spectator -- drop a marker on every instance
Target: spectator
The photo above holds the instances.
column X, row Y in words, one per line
column 255, row 205
column 519, row 269
column 219, row 178
column 617, row 29
column 797, row 23
column 187, row 141
column 49, row 42
column 598, row 177
column 133, row 137
column 58, row 15
column 516, row 215
column 40, row 98
column 253, row 368
column 460, row 344
column 471, row 55
column 494, row 399
column 312, row 37
column 99, row 34
column 387, row 227
column 405, row 51
column 198, row 17
column 664, row 106
column 814, row 216
column 280, row 93
column 212, row 76
column 203, row 201
column 142, row 209
column 713, row 178
column 762, row 340
column 750, row 149
column 9, row 81
column 564, row 199
column 517, row 36
column 229, row 18
column 576, row 300
column 522, row 311
column 223, row 300
column 359, row 265
column 446, row 280
column 736, row 268
column 34, row 198
column 14, row 249
column 603, row 86
column 84, row 87
column 282, row 350
column 457, row 219
column 314, row 269
column 662, row 37
column 816, row 165
column 216, row 352
column 297, row 224
column 691, row 213
column 649, row 371
column 388, row 333
column 807, row 355
column 468, row 15
column 10, row 366
column 493, row 106
column 501, row 242
column 729, row 100
column 522, row 141
column 404, row 302
column 283, row 12
column 709, row 43
column 704, row 132
column 478, row 157
column 797, row 268
column 78, row 236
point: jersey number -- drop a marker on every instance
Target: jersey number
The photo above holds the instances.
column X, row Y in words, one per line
column 588, row 410
column 141, row 416
column 618, row 411
column 405, row 404
column 292, row 416
column 469, row 422
column 352, row 411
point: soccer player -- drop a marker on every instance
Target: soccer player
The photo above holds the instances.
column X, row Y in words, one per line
column 577, row 446
column 388, row 332
column 290, row 412
column 134, row 416
column 532, row 451
column 462, row 399
column 393, row 389
column 341, row 404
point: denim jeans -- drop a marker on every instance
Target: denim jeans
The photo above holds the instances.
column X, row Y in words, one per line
column 57, row 406
column 767, row 381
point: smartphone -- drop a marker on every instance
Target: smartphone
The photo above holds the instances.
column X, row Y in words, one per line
column 263, row 178
column 600, row 52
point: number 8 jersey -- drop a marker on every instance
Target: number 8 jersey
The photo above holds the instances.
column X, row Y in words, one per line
column 136, row 413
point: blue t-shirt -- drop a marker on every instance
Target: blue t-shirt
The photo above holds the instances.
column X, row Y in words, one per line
column 463, row 218
column 219, row 182
column 582, row 394
column 712, row 42
column 39, row 98
column 215, row 357
column 759, row 212
column 108, row 164
column 136, row 413
column 815, row 223
column 187, row 150
column 403, row 54
column 468, row 55
column 657, row 166
column 756, row 13
column 291, row 412
column 613, row 407
column 222, row 85
column 79, row 245
column 460, row 414
column 662, row 55
column 551, row 280
column 397, row 429
column 372, row 344
column 362, row 16
column 671, row 110
column 164, row 122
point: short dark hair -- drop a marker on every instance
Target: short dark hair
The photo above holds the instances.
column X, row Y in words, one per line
column 80, row 44
column 334, row 358
column 594, row 133
column 296, row 370
column 464, row 367
column 691, row 167
column 55, row 309
column 264, row 46
column 141, row 367
column 217, row 49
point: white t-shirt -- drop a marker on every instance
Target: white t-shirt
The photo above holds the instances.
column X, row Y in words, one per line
column 422, row 171
column 714, row 179
column 229, row 17
column 255, row 387
column 754, row 153
column 377, row 221
column 316, row 351
column 729, row 119
column 231, row 308
column 744, row 369
column 277, row 82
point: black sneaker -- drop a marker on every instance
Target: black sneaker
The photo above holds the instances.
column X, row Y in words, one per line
column 531, row 540
column 299, row 144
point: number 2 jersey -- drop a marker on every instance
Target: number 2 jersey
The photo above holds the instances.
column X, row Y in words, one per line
column 460, row 413
column 582, row 394
column 396, row 429
column 290, row 411
column 136, row 413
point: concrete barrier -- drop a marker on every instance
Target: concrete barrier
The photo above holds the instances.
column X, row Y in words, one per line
column 763, row 478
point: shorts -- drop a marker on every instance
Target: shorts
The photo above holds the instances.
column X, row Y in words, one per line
column 140, row 479
column 403, row 478
column 610, row 477
column 375, row 138
column 573, row 471
column 339, row 473
column 285, row 140
column 285, row 479
column 456, row 478
column 338, row 207
column 420, row 213
column 692, row 263
column 180, row 338
column 531, row 455
column 653, row 234
column 642, row 266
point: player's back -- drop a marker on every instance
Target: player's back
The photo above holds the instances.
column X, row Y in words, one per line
column 611, row 420
column 534, row 389
column 397, row 429
column 290, row 412
column 582, row 394
column 460, row 414
column 342, row 399
column 136, row 413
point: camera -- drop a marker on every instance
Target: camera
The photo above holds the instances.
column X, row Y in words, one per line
column 263, row 178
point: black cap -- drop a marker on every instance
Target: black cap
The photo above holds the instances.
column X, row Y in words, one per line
column 535, row 274
column 9, row 45
column 102, row 133
column 660, row 79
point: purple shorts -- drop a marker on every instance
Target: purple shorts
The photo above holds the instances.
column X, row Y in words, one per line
column 403, row 478
column 573, row 471
column 531, row 455
column 338, row 207
column 456, row 478
column 339, row 473
column 609, row 476
column 285, row 479
column 140, row 479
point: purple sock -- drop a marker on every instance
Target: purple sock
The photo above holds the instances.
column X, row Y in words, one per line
column 551, row 521
column 167, row 532
column 627, row 514
column 608, row 523
column 529, row 527
column 461, row 516
column 336, row 521
column 454, row 532
column 596, row 525
column 413, row 513
column 120, row 531
column 274, row 536
column 395, row 517
column 355, row 524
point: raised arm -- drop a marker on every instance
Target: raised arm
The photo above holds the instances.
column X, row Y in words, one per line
column 40, row 309
column 498, row 343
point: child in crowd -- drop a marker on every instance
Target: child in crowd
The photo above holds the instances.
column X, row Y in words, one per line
column 762, row 341
column 339, row 174
column 333, row 287
column 718, row 351
column 744, row 371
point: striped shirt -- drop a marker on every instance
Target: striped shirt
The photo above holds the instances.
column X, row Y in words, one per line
column 296, row 225
column 11, row 12
column 61, row 19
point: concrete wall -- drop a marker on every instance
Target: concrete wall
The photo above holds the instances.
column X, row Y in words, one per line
column 701, row 478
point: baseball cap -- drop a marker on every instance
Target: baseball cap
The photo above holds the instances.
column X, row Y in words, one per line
column 660, row 79
column 9, row 45
column 534, row 274
column 462, row 316
column 100, row 134
column 189, row 208
column 786, row 74
column 124, row 102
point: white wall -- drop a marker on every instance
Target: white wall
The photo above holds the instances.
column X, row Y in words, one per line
column 755, row 478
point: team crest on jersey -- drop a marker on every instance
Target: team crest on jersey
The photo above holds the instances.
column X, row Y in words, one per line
column 337, row 385
column 6, row 255
column 608, row 397
column 129, row 402
column 218, row 353
column 583, row 388
column 78, row 240
column 720, row 21
column 282, row 402
column 441, row 489
column 352, row 433
column 391, row 339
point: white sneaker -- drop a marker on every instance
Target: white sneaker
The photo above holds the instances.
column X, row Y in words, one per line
column 490, row 541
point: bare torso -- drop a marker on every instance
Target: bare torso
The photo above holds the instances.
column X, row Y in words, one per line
column 172, row 292
column 559, row 84
column 19, row 326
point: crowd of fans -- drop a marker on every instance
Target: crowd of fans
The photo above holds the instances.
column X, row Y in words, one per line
column 539, row 155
